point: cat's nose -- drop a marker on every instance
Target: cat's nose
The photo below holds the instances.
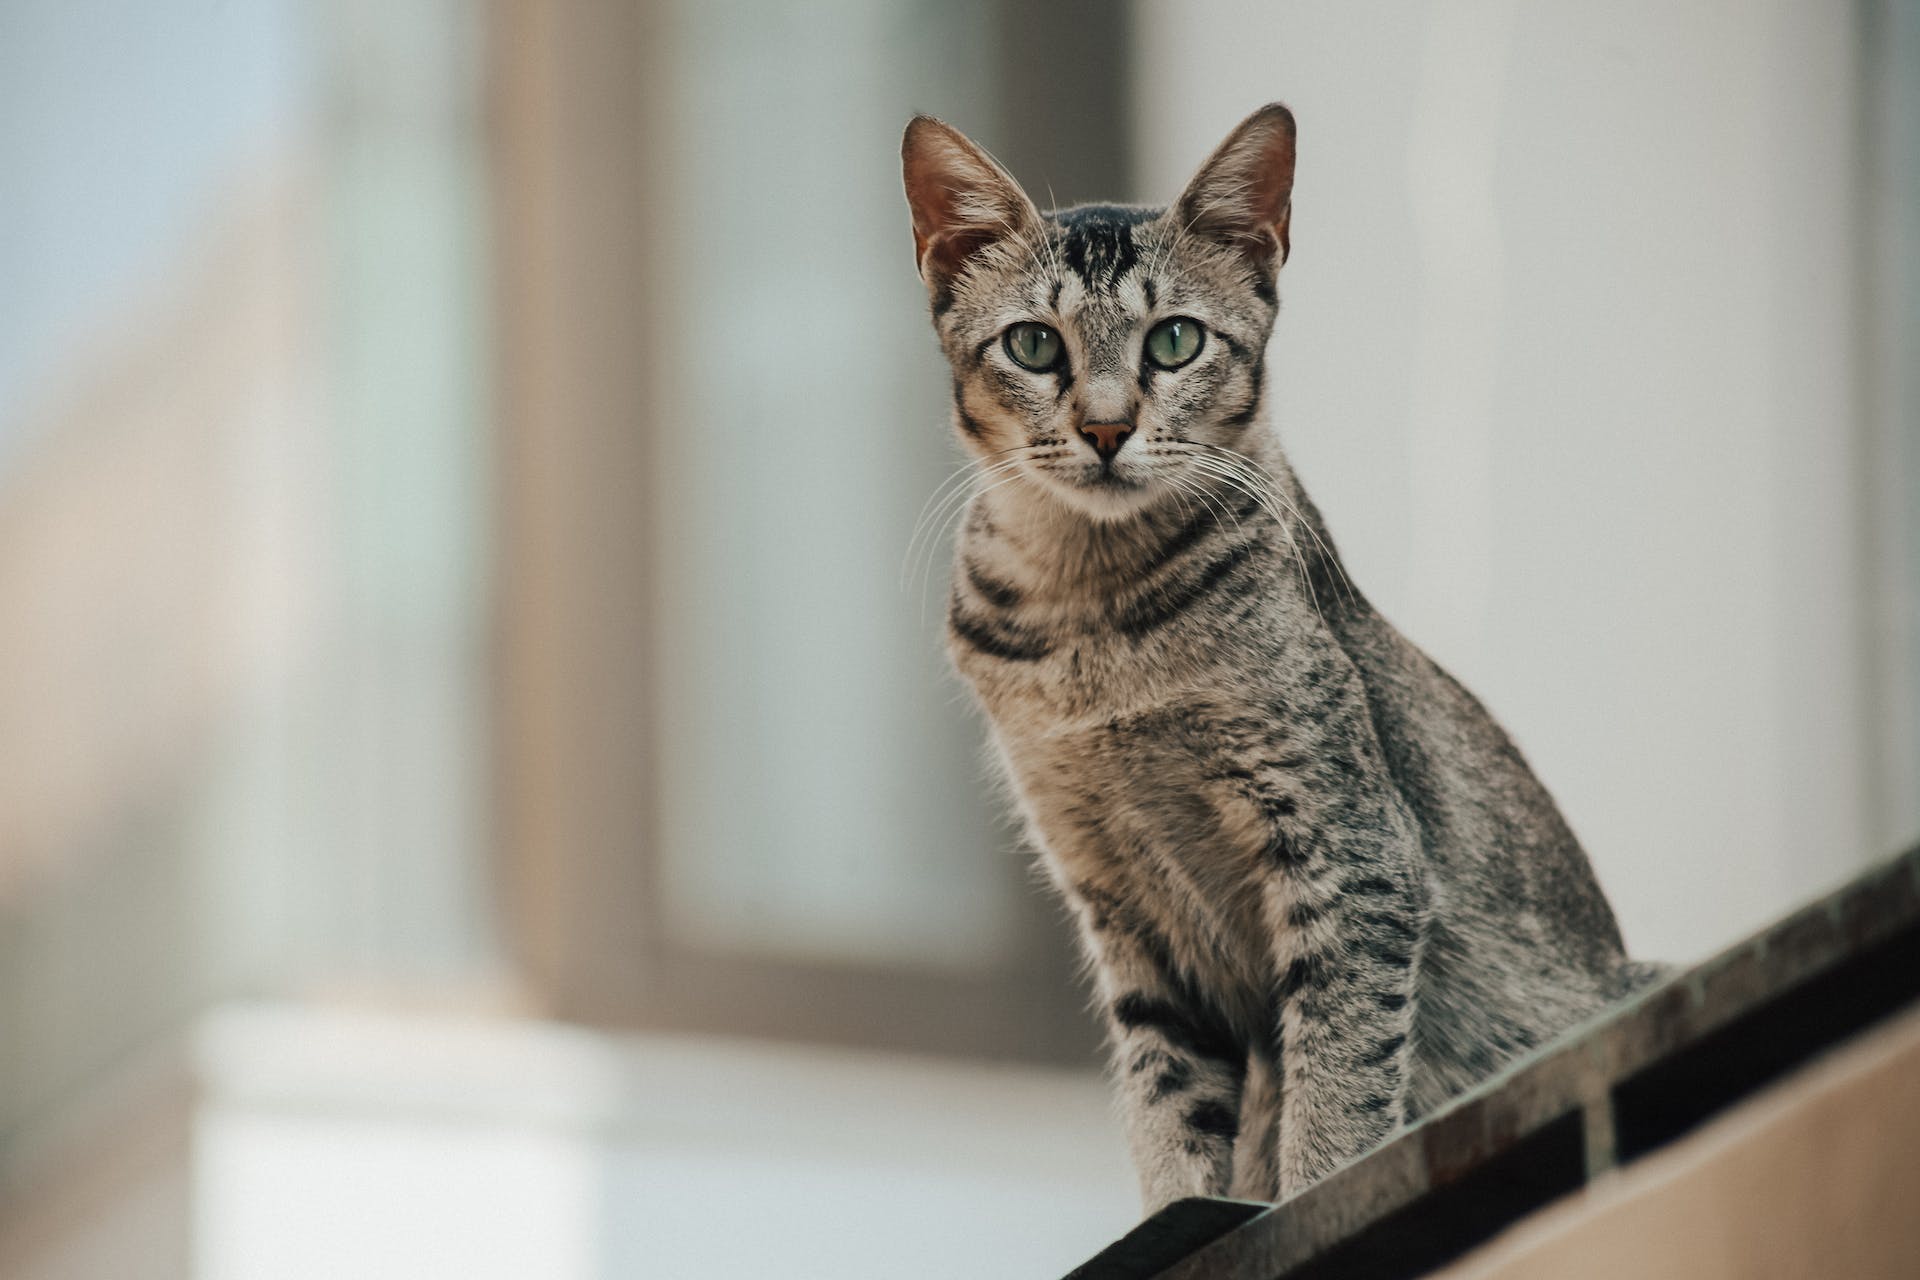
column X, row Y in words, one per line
column 1106, row 437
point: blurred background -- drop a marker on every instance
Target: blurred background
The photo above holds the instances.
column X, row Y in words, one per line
column 481, row 790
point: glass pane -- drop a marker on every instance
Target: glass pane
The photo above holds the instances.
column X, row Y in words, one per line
column 823, row 786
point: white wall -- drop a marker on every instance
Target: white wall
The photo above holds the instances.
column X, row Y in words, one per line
column 292, row 1141
column 1566, row 358
column 335, row 1144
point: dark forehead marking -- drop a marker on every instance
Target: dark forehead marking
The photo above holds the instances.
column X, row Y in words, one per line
column 1125, row 215
column 1097, row 241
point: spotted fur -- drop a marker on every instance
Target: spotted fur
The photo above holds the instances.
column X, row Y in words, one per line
column 1319, row 888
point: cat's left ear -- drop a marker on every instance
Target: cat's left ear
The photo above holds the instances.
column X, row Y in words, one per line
column 1243, row 194
column 962, row 200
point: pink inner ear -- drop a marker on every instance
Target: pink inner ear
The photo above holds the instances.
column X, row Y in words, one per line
column 944, row 253
column 951, row 187
column 936, row 196
column 1244, row 192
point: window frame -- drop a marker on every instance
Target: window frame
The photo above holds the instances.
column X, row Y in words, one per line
column 579, row 842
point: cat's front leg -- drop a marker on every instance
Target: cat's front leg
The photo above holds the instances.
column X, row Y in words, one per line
column 1178, row 1064
column 1348, row 906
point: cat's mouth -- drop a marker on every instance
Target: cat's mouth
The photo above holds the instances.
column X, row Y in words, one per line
column 1104, row 490
column 1105, row 477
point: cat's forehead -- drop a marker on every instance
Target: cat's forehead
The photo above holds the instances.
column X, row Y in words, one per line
column 1101, row 246
column 1098, row 260
column 1100, row 270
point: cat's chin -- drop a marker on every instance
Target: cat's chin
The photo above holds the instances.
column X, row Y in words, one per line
column 1105, row 495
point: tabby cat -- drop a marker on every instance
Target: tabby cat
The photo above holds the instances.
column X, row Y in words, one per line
column 1320, row 890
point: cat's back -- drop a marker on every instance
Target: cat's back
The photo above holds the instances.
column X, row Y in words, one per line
column 1521, row 942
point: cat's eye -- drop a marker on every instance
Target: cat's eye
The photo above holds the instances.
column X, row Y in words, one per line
column 1033, row 346
column 1172, row 343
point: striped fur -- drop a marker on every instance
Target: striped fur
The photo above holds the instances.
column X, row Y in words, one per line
column 1319, row 889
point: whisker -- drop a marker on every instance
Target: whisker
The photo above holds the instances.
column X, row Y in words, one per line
column 946, row 524
column 1221, row 511
column 955, row 489
column 955, row 481
column 1251, row 485
column 939, row 511
column 1053, row 250
column 1273, row 485
column 959, row 475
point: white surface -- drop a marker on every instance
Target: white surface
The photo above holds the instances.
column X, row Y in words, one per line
column 340, row 1145
column 1565, row 357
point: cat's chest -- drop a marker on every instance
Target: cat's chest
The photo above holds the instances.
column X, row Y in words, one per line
column 1149, row 723
column 1165, row 773
column 1175, row 763
column 1156, row 799
column 1156, row 746
column 1148, row 807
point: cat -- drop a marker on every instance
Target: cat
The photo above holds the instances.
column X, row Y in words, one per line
column 1319, row 889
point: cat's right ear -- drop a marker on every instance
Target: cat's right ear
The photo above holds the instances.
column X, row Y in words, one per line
column 962, row 200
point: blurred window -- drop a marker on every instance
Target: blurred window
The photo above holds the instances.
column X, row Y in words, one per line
column 816, row 846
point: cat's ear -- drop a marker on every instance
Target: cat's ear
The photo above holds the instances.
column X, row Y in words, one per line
column 1243, row 194
column 962, row 200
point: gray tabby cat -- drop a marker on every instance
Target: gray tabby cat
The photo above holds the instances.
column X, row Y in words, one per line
column 1320, row 889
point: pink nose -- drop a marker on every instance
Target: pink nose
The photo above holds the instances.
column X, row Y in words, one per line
column 1106, row 437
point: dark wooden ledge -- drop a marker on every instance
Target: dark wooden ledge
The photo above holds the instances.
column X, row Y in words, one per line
column 1602, row 1095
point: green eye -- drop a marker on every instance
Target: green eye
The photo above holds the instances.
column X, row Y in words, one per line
column 1033, row 346
column 1172, row 343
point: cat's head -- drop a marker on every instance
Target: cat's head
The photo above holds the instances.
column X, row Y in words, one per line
column 1103, row 351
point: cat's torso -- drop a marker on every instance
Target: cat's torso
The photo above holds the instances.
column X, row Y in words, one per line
column 1185, row 718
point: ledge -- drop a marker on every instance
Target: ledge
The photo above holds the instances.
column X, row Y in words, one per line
column 1604, row 1094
